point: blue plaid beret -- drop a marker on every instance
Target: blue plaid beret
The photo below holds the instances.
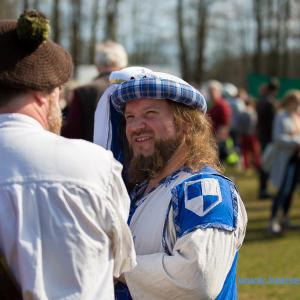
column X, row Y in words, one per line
column 156, row 88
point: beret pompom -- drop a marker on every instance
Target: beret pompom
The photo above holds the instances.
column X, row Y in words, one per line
column 29, row 59
column 33, row 28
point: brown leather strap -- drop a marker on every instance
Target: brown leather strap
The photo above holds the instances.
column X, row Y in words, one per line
column 9, row 288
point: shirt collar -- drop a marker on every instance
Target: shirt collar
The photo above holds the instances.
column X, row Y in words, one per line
column 167, row 180
column 15, row 119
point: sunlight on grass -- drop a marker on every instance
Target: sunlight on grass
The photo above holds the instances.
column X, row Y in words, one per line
column 263, row 255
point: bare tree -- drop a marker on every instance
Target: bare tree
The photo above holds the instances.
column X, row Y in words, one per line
column 75, row 36
column 191, row 50
column 146, row 43
column 269, row 35
column 274, row 37
column 26, row 4
column 202, row 28
column 257, row 58
column 111, row 19
column 94, row 24
column 36, row 4
column 242, row 17
column 183, row 53
column 286, row 35
column 275, row 33
column 56, row 22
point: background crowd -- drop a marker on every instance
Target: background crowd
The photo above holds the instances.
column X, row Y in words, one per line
column 243, row 125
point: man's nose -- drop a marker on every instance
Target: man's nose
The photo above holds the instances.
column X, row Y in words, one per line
column 137, row 123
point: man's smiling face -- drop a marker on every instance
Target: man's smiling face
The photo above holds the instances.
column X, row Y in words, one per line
column 148, row 120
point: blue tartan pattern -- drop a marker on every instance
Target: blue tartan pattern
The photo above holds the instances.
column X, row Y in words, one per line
column 157, row 88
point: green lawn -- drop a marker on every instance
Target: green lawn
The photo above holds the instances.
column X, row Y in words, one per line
column 262, row 255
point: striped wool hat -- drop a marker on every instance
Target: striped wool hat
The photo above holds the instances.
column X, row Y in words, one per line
column 157, row 85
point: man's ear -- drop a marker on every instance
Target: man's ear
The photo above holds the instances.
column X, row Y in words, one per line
column 41, row 97
column 185, row 127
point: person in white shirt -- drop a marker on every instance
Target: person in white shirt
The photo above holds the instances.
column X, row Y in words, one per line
column 63, row 203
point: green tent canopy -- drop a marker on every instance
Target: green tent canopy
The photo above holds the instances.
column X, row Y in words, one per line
column 285, row 84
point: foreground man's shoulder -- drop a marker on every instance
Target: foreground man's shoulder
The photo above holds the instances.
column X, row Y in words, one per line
column 84, row 160
column 80, row 146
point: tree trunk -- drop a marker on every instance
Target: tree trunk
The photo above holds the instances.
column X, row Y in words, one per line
column 201, row 39
column 183, row 55
column 36, row 4
column 56, row 22
column 259, row 36
column 286, row 34
column 75, row 37
column 275, row 34
column 26, row 4
column 93, row 31
column 111, row 20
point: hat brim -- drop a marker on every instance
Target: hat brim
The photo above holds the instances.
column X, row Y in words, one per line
column 157, row 88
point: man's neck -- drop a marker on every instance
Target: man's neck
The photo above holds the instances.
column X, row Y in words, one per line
column 27, row 105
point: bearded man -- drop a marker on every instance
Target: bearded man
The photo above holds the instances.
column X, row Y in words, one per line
column 63, row 204
column 187, row 220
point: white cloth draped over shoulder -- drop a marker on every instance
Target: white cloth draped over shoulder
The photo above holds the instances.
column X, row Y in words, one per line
column 63, row 213
column 102, row 126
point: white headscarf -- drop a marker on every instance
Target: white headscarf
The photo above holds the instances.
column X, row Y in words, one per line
column 102, row 125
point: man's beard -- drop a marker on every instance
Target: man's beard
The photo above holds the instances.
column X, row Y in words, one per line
column 54, row 116
column 143, row 168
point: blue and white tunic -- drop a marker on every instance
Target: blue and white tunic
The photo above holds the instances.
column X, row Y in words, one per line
column 187, row 232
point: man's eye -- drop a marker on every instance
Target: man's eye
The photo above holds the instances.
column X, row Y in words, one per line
column 128, row 117
column 151, row 112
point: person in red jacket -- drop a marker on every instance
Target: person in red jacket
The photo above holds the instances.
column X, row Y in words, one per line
column 220, row 115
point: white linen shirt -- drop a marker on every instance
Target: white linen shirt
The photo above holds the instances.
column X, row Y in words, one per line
column 63, row 213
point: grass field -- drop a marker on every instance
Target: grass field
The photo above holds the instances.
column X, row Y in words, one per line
column 262, row 255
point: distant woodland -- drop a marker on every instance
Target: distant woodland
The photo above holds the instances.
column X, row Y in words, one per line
column 221, row 39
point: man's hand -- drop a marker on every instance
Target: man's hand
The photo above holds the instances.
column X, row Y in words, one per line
column 121, row 278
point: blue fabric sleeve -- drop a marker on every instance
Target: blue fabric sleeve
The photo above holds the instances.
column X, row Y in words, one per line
column 204, row 201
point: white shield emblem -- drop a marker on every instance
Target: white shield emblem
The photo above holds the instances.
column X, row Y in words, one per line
column 202, row 195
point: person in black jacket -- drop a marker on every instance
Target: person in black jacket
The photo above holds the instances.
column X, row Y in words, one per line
column 266, row 108
column 110, row 56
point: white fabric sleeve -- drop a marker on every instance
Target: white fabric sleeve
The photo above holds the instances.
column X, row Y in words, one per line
column 197, row 268
column 122, row 242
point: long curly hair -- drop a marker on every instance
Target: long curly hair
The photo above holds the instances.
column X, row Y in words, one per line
column 201, row 146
